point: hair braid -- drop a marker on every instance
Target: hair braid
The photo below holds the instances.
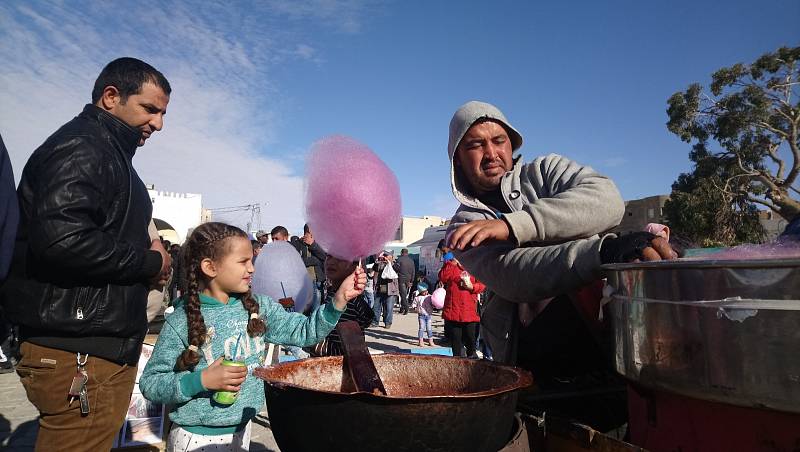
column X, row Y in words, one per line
column 255, row 326
column 194, row 318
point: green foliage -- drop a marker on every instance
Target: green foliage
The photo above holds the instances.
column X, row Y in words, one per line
column 745, row 139
column 697, row 211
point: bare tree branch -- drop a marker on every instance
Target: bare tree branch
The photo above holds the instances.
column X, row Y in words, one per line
column 772, row 206
column 780, row 132
column 795, row 155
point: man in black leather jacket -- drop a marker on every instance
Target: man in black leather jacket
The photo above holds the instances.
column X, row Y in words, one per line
column 83, row 260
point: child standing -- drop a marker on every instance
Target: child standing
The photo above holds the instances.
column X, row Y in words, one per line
column 336, row 271
column 424, row 312
column 217, row 317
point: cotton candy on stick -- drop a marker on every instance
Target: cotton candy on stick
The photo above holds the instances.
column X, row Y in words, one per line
column 281, row 273
column 352, row 198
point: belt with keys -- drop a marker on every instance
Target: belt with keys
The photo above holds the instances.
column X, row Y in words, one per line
column 78, row 386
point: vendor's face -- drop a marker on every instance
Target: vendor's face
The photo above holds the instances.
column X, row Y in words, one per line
column 336, row 270
column 484, row 156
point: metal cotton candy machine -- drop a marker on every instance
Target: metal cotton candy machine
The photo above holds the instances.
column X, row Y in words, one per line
column 712, row 350
column 434, row 403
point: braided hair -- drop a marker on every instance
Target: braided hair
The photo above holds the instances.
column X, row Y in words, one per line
column 209, row 241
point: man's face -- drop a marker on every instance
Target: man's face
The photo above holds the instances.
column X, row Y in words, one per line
column 280, row 237
column 484, row 156
column 336, row 270
column 144, row 111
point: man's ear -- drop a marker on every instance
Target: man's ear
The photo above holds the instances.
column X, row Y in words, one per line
column 208, row 268
column 110, row 98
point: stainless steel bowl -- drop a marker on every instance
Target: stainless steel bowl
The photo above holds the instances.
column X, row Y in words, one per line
column 719, row 330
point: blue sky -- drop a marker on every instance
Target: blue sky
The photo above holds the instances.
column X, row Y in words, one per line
column 254, row 85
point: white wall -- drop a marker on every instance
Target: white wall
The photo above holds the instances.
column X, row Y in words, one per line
column 183, row 211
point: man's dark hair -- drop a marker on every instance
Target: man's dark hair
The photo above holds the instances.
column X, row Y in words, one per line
column 128, row 75
column 404, row 251
column 279, row 230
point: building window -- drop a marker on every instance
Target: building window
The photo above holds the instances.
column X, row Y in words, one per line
column 651, row 213
column 630, row 214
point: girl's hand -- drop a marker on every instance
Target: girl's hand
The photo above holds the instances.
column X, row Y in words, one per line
column 217, row 377
column 352, row 287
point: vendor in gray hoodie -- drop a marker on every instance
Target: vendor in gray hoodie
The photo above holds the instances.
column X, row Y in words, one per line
column 529, row 231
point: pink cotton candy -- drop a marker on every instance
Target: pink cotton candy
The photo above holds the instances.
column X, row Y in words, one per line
column 788, row 249
column 437, row 298
column 352, row 198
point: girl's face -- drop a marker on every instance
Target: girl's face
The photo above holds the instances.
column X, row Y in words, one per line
column 336, row 270
column 231, row 273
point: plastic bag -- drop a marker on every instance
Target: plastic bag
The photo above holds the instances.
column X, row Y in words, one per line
column 388, row 272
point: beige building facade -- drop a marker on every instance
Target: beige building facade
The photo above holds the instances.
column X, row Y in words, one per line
column 640, row 212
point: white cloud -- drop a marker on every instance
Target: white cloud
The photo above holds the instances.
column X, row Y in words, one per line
column 614, row 162
column 217, row 134
column 305, row 51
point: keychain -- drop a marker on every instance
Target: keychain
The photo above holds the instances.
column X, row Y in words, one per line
column 78, row 386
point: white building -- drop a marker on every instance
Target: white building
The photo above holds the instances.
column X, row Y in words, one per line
column 177, row 214
column 430, row 258
column 412, row 229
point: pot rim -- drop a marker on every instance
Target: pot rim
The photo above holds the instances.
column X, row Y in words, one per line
column 703, row 263
column 524, row 379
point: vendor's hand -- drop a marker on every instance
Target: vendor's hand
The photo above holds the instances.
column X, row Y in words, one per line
column 636, row 247
column 351, row 287
column 217, row 377
column 476, row 232
column 308, row 239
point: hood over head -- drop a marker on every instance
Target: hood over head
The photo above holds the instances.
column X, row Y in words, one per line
column 467, row 115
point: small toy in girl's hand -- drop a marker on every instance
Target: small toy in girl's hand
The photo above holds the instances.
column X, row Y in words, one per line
column 352, row 198
column 437, row 298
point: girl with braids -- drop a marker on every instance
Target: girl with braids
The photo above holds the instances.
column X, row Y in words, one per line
column 219, row 316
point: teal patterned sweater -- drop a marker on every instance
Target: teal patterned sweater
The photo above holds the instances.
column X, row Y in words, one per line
column 193, row 408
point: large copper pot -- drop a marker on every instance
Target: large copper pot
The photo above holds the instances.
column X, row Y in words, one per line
column 434, row 403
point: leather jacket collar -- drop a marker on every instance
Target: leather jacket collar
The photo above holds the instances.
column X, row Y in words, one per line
column 126, row 136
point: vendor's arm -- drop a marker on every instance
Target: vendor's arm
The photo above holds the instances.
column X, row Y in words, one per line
column 532, row 273
column 574, row 202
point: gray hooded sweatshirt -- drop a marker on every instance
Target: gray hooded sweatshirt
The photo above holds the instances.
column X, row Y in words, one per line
column 557, row 209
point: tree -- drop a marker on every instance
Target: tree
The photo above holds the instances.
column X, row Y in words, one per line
column 699, row 212
column 753, row 115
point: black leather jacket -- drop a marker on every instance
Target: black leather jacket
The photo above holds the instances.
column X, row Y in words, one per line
column 81, row 263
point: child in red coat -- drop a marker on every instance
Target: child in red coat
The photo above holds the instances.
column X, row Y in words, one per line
column 460, row 311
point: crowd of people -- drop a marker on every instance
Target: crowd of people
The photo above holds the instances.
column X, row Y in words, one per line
column 520, row 264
